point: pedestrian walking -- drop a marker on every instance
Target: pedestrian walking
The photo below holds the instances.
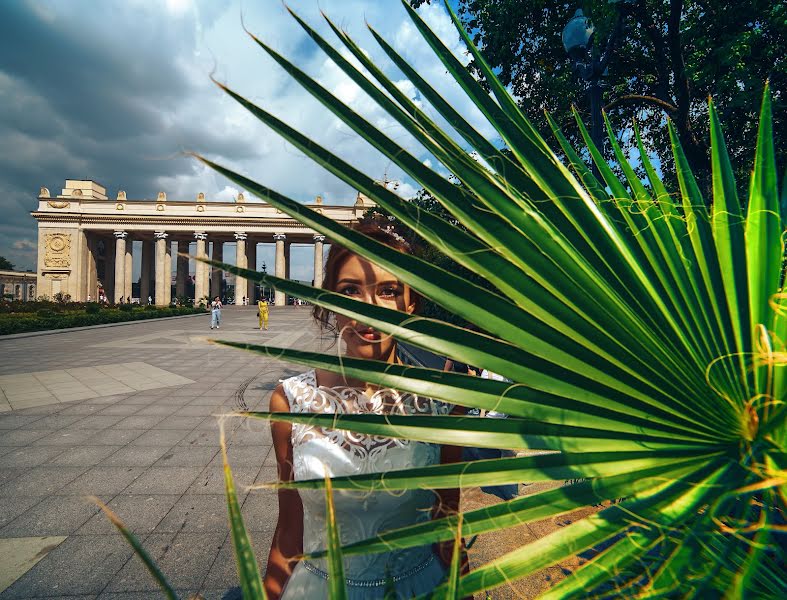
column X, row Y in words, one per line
column 215, row 313
column 262, row 313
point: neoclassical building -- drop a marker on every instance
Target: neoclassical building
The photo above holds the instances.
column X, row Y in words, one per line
column 17, row 285
column 85, row 242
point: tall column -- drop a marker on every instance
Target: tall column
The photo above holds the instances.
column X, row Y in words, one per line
column 318, row 241
column 78, row 280
column 108, row 281
column 287, row 251
column 241, row 261
column 120, row 265
column 182, row 268
column 216, row 273
column 251, row 263
column 162, row 277
column 92, row 268
column 280, row 266
column 129, row 271
column 206, row 272
column 168, row 273
column 147, row 271
column 200, row 289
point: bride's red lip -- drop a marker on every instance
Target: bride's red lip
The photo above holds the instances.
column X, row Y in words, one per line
column 370, row 334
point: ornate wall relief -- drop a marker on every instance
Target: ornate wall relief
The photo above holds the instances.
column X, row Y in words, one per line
column 54, row 204
column 58, row 250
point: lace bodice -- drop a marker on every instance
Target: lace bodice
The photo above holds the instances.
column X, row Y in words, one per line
column 317, row 451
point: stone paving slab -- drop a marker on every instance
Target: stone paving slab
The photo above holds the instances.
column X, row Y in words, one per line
column 82, row 564
column 19, row 555
column 186, row 558
column 21, row 390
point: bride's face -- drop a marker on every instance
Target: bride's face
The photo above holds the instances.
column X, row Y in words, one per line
column 364, row 281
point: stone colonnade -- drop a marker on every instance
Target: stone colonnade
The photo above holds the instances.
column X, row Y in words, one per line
column 86, row 242
column 156, row 265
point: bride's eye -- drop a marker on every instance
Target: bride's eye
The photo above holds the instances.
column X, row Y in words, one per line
column 349, row 290
column 390, row 291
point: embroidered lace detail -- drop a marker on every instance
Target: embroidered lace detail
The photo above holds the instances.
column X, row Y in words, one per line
column 304, row 396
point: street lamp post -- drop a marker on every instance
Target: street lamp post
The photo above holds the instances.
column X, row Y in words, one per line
column 264, row 269
column 578, row 41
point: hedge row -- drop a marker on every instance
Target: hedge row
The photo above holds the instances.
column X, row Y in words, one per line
column 24, row 323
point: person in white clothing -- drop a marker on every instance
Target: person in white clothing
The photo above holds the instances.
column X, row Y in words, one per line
column 215, row 313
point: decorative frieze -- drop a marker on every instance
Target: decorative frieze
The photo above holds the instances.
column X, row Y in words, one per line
column 58, row 250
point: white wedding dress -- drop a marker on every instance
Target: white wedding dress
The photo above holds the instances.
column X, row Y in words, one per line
column 360, row 515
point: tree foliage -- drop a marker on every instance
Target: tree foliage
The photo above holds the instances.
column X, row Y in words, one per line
column 671, row 57
column 5, row 264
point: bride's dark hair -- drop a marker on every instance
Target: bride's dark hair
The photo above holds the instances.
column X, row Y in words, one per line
column 385, row 234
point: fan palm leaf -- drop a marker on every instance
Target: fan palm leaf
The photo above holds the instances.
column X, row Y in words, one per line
column 644, row 336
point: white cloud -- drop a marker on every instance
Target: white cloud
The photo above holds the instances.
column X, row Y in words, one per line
column 25, row 244
column 178, row 8
column 228, row 194
column 152, row 62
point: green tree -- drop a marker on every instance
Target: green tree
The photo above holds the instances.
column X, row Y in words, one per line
column 672, row 55
column 5, row 264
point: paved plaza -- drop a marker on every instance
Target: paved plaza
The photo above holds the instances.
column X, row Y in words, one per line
column 127, row 414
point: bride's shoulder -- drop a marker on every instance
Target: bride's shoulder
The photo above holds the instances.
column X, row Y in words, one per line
column 279, row 401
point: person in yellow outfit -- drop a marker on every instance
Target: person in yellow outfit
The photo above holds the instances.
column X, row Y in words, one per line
column 262, row 313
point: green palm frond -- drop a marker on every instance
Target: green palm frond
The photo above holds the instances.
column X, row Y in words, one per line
column 645, row 336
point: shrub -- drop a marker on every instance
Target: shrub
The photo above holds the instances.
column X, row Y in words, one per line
column 46, row 318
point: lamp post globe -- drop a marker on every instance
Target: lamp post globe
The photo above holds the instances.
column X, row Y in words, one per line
column 578, row 35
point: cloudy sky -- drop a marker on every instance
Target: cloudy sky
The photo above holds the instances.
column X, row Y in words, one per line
column 116, row 90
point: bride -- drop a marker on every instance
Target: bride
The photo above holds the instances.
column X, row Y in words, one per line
column 306, row 452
